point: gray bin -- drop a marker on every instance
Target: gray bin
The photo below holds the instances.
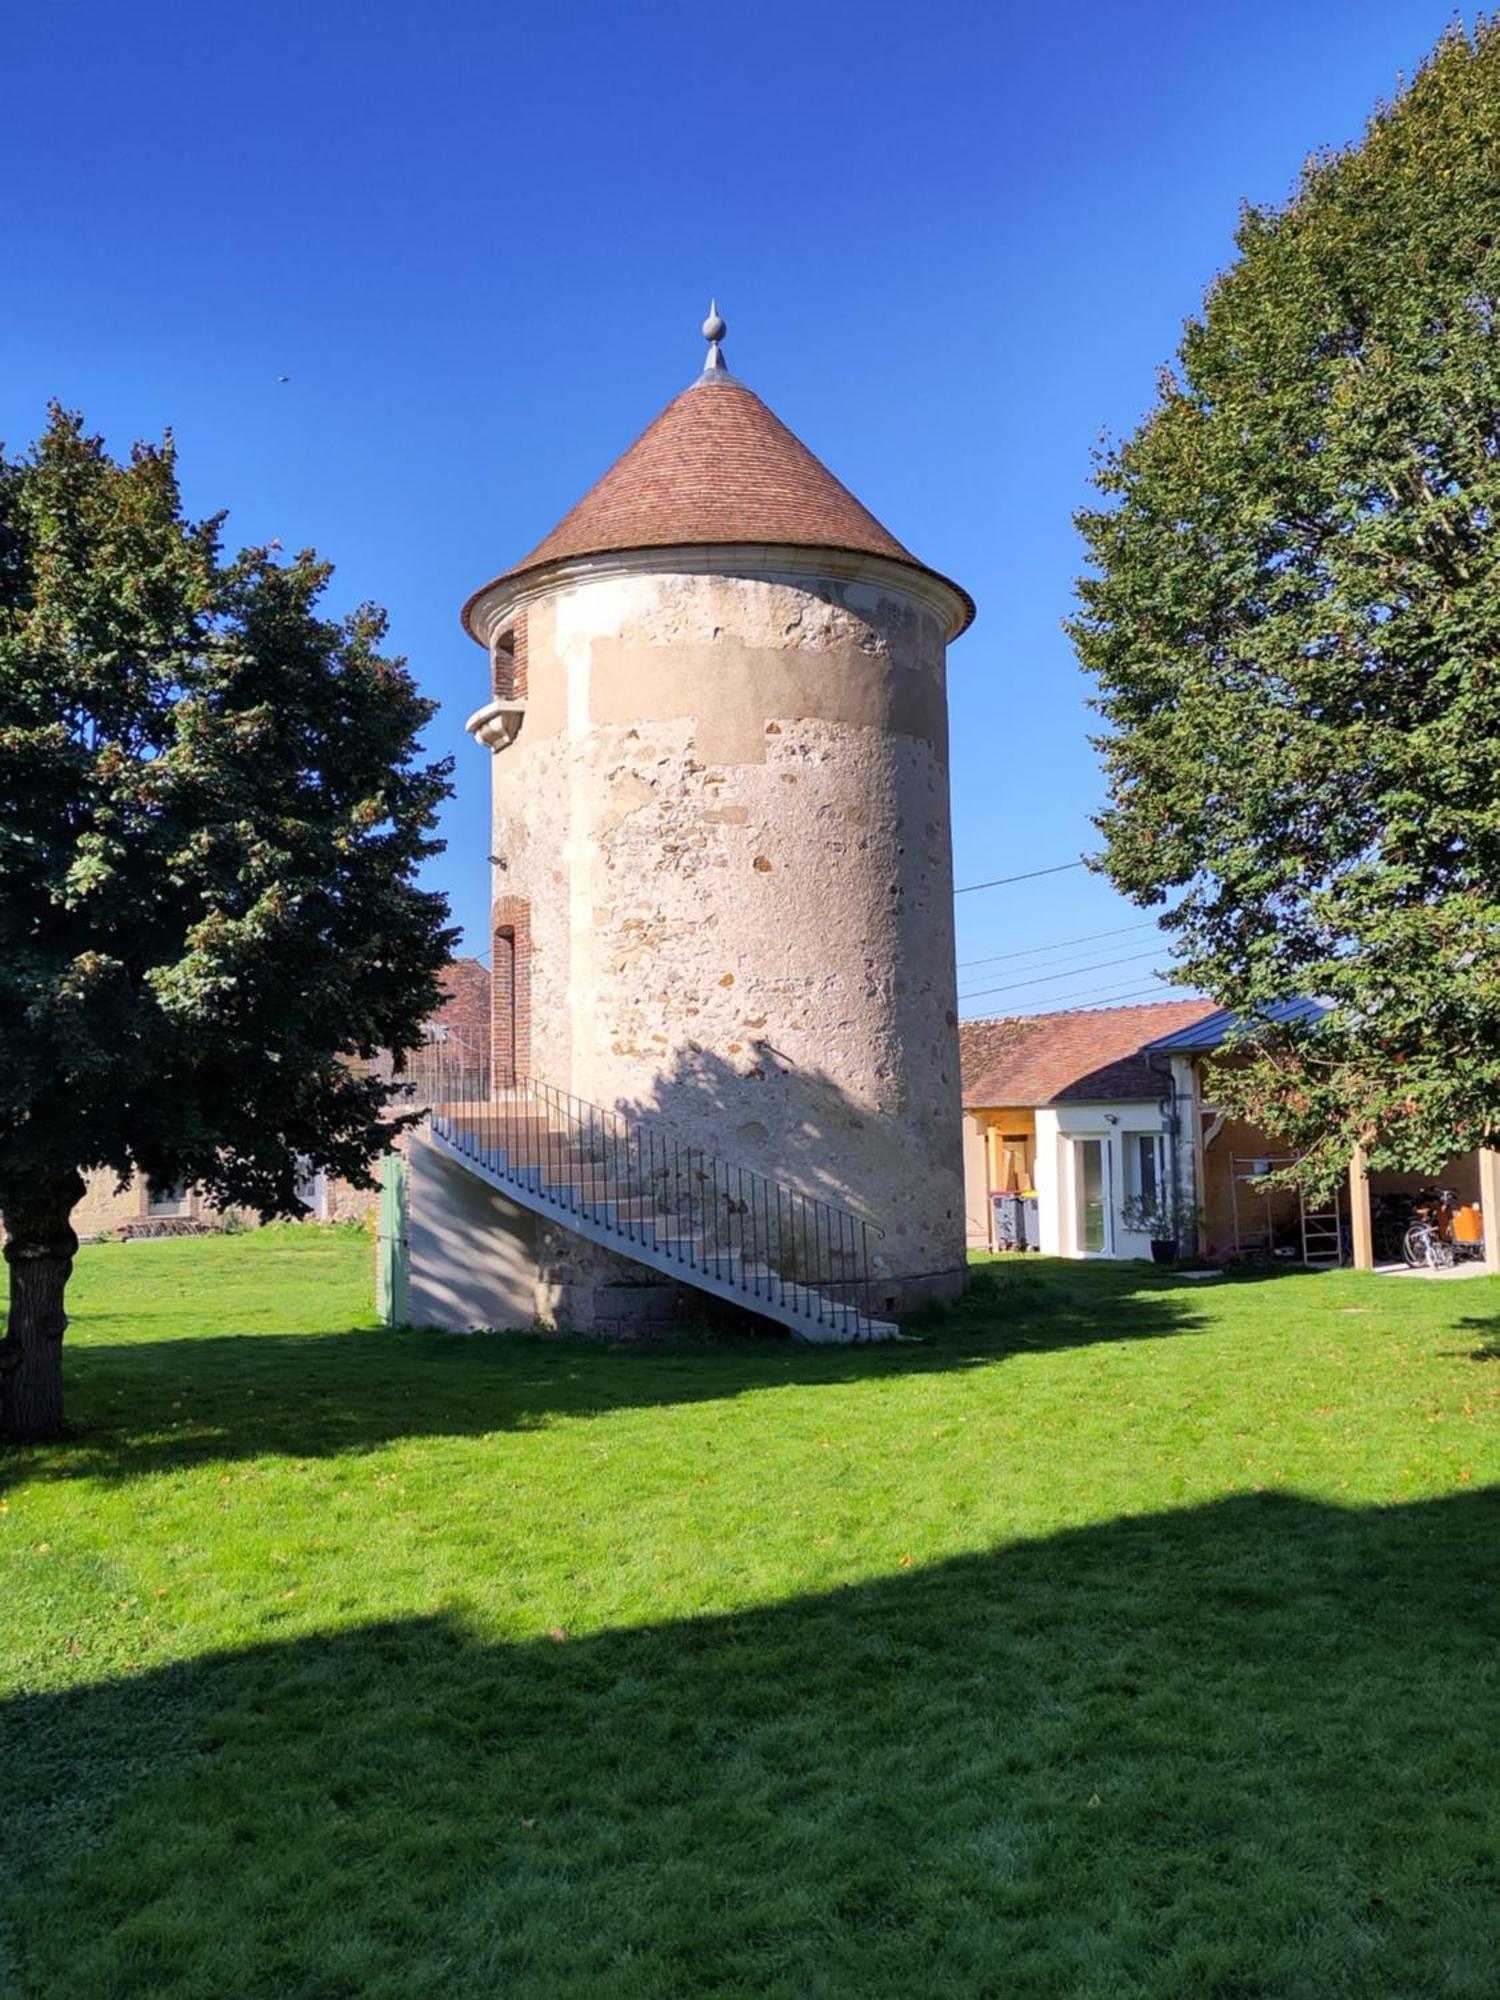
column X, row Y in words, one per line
column 1014, row 1222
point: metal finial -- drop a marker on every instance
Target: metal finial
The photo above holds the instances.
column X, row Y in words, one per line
column 714, row 331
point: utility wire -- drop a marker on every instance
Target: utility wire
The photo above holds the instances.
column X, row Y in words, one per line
column 1074, row 961
column 1067, row 1003
column 1070, row 972
column 1080, row 1007
column 1063, row 1002
column 1084, row 1004
column 1031, row 875
column 1062, row 944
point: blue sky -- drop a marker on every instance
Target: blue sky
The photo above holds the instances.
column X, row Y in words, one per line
column 953, row 243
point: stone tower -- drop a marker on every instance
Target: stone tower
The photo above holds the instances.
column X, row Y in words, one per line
column 723, row 889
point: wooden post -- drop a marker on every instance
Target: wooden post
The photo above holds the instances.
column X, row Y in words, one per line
column 1359, row 1212
column 1489, row 1206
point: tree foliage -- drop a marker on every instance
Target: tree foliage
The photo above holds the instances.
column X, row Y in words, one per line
column 1293, row 619
column 214, row 808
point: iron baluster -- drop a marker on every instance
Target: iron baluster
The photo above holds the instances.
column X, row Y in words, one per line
column 751, row 1234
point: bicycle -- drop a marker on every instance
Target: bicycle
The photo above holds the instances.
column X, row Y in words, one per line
column 1428, row 1242
column 1390, row 1218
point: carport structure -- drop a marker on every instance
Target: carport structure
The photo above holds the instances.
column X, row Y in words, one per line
column 1473, row 1175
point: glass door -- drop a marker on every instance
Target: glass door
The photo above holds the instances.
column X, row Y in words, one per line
column 1091, row 1196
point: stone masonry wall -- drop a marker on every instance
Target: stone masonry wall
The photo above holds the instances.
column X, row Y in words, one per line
column 727, row 815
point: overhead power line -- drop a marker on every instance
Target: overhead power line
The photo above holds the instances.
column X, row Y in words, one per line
column 1000, row 881
column 1070, row 972
column 1077, row 1007
column 1082, row 1005
column 1067, row 1003
column 1062, row 944
column 1060, row 1002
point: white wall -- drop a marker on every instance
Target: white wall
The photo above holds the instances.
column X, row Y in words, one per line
column 1112, row 1123
column 1047, row 1171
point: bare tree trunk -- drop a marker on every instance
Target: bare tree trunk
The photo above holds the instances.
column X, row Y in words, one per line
column 39, row 1249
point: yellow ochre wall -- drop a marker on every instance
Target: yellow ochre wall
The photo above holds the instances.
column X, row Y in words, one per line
column 985, row 1132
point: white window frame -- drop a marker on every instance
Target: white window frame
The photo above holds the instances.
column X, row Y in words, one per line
column 1158, row 1143
column 164, row 1204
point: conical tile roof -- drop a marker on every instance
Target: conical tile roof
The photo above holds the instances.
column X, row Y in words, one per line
column 717, row 467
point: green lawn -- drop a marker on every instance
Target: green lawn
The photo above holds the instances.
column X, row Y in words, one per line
column 1122, row 1638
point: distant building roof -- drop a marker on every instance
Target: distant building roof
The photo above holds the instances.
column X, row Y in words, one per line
column 1097, row 1056
column 716, row 468
column 1217, row 1027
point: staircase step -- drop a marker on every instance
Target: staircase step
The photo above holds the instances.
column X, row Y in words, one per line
column 637, row 1208
column 521, row 1156
column 585, row 1173
column 505, row 1120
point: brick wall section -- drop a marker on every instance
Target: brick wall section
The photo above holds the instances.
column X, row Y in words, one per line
column 106, row 1207
column 511, row 988
column 508, row 663
column 465, row 1010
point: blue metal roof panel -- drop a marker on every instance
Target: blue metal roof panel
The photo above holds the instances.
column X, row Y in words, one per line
column 1215, row 1029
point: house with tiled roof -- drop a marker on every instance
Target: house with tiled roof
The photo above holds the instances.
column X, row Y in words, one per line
column 1081, row 1129
column 1071, row 1135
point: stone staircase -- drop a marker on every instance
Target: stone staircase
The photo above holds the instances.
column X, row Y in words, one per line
column 625, row 1183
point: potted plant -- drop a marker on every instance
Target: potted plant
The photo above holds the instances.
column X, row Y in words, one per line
column 1150, row 1215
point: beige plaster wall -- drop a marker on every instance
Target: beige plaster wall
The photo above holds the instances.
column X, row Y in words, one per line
column 728, row 809
column 472, row 1254
column 106, row 1206
column 976, row 1180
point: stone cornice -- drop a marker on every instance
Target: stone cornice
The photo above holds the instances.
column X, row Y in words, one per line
column 489, row 610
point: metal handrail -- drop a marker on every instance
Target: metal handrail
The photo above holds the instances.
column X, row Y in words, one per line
column 632, row 1180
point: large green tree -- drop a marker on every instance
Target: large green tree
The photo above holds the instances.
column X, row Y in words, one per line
column 1293, row 618
column 212, row 807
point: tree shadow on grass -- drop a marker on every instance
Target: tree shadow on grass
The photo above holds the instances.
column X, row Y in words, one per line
column 1488, row 1331
column 144, row 1406
column 1243, row 1750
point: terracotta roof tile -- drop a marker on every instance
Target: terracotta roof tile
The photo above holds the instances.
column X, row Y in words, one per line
column 717, row 466
column 1092, row 1056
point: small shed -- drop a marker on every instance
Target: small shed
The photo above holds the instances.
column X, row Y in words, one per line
column 1068, row 1110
